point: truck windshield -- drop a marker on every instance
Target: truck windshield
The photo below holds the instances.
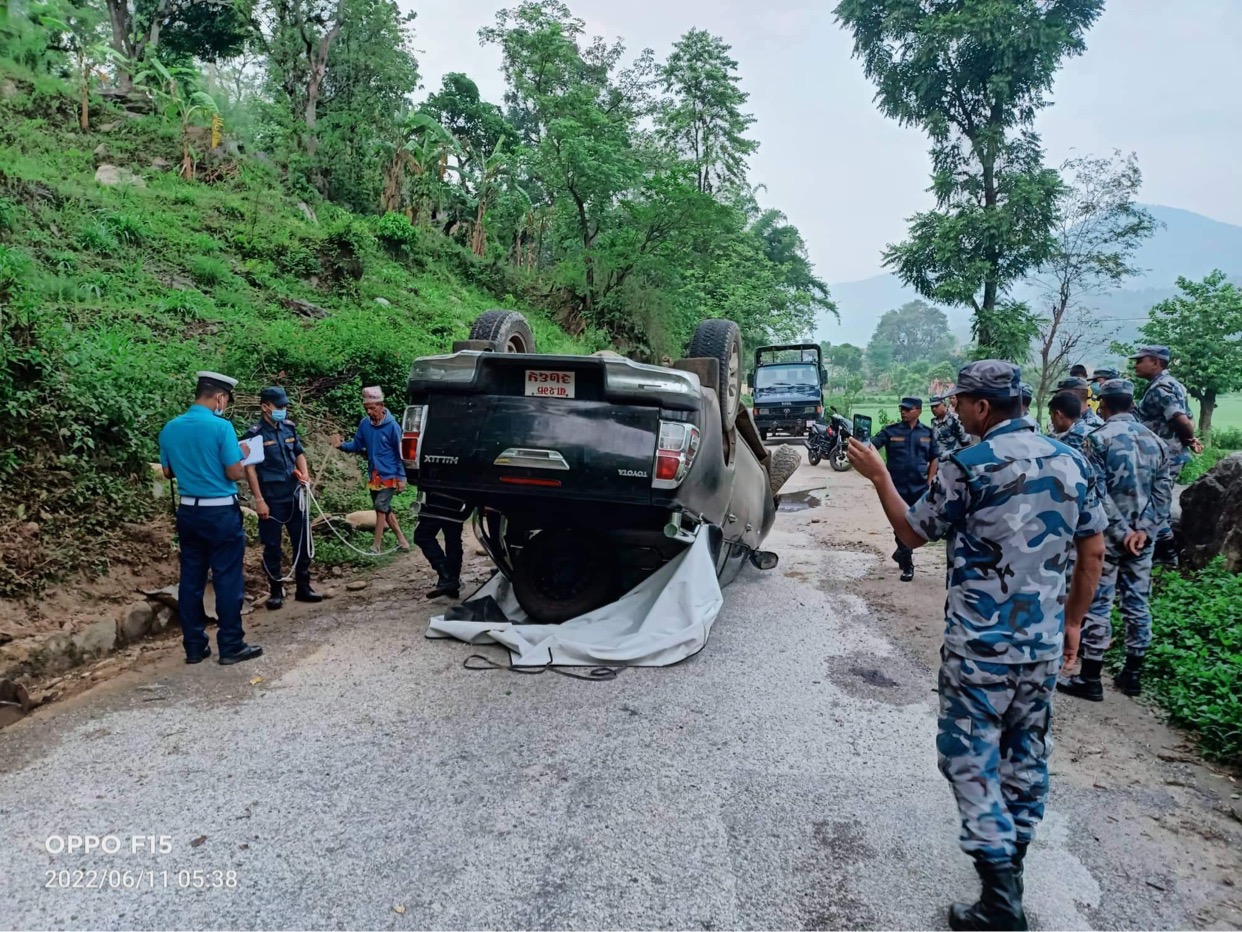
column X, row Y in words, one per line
column 786, row 377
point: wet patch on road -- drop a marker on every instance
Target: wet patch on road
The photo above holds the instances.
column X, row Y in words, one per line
column 859, row 676
column 800, row 501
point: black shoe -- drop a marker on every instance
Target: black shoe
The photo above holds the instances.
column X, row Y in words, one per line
column 274, row 602
column 907, row 570
column 248, row 652
column 198, row 658
column 1081, row 688
column 1129, row 680
column 307, row 594
column 999, row 906
column 446, row 587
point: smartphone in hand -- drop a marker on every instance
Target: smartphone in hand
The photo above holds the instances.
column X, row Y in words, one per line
column 862, row 428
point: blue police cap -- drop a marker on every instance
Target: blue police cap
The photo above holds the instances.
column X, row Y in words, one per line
column 911, row 402
column 989, row 378
column 1160, row 352
column 1106, row 372
column 1117, row 388
column 275, row 395
column 936, row 400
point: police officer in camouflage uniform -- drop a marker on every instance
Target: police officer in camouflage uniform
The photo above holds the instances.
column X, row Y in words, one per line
column 1065, row 421
column 947, row 428
column 1133, row 466
column 1164, row 411
column 1098, row 378
column 1005, row 617
column 1028, row 395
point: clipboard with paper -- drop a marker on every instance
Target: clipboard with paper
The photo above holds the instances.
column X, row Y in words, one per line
column 256, row 451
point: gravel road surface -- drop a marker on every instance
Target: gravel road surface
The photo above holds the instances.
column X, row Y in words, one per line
column 785, row 777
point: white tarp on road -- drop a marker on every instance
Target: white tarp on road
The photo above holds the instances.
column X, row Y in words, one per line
column 661, row 621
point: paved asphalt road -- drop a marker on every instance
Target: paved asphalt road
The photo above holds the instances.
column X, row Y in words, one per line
column 784, row 777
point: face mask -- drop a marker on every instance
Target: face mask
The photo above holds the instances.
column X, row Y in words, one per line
column 279, row 414
column 220, row 407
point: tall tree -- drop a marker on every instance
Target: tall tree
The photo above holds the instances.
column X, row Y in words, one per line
column 702, row 117
column 1203, row 328
column 914, row 332
column 298, row 38
column 208, row 30
column 1098, row 231
column 973, row 74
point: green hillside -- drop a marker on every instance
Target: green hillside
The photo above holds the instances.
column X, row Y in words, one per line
column 113, row 296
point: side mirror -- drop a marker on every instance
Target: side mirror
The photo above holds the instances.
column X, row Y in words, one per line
column 750, row 378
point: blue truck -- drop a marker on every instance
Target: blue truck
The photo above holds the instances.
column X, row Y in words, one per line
column 787, row 385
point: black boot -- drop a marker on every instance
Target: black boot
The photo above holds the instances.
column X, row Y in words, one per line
column 1086, row 685
column 1019, row 862
column 907, row 568
column 1129, row 680
column 277, row 598
column 446, row 585
column 305, row 593
column 1000, row 902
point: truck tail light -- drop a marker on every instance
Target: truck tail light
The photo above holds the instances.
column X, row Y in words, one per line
column 413, row 423
column 678, row 445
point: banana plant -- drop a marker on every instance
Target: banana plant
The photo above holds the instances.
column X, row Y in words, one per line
column 496, row 168
column 175, row 90
column 420, row 150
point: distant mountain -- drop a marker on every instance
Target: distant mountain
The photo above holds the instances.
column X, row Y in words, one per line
column 1188, row 244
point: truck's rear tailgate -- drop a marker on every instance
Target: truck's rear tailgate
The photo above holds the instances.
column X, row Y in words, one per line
column 574, row 448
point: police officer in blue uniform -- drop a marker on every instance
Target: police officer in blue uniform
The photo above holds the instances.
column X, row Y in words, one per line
column 912, row 458
column 279, row 497
column 200, row 451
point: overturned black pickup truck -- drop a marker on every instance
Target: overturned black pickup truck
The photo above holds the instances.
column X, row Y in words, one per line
column 585, row 474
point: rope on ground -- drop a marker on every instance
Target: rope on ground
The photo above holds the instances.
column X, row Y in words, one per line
column 593, row 674
column 332, row 527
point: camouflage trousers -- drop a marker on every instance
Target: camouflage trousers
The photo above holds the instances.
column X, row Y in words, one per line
column 1127, row 581
column 1175, row 467
column 993, row 744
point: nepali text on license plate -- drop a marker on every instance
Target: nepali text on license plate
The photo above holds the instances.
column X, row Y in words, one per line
column 544, row 383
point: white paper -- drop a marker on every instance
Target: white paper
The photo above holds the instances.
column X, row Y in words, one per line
column 256, row 451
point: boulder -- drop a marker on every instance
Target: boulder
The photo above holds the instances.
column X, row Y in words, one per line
column 113, row 175
column 1211, row 519
column 136, row 622
column 164, row 616
column 99, row 637
column 8, row 90
column 383, row 302
column 361, row 520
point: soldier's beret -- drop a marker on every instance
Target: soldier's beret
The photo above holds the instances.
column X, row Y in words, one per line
column 988, row 378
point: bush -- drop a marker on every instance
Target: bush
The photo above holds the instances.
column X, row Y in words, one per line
column 1194, row 665
column 1227, row 438
column 128, row 229
column 208, row 272
column 1202, row 463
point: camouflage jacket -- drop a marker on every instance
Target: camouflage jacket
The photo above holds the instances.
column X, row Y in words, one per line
column 950, row 435
column 1087, row 422
column 1134, row 470
column 1076, row 437
column 1164, row 400
column 1012, row 506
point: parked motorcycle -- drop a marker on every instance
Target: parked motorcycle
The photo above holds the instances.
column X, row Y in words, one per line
column 828, row 441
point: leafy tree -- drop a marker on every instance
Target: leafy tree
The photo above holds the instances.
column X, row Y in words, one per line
column 177, row 90
column 914, row 332
column 1203, row 328
column 1099, row 229
column 973, row 74
column 181, row 30
column 702, row 119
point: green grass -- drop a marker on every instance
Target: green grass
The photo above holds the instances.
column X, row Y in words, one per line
column 1194, row 665
column 114, row 296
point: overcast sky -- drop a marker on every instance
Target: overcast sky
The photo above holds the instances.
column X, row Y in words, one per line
column 1162, row 79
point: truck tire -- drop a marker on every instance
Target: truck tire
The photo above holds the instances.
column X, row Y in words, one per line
column 507, row 331
column 721, row 340
column 560, row 575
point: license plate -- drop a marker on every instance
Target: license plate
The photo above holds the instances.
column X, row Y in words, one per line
column 544, row 383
